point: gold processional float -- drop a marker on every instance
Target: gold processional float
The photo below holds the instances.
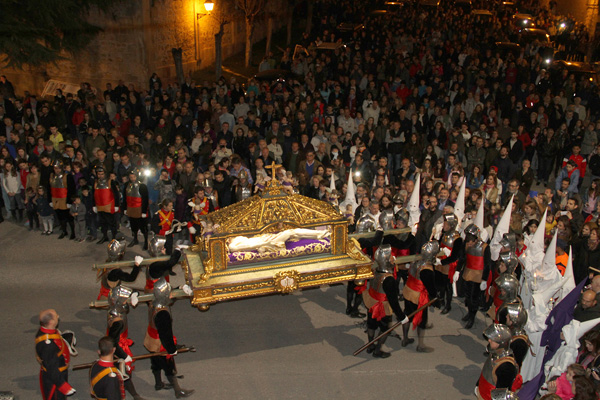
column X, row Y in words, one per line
column 215, row 273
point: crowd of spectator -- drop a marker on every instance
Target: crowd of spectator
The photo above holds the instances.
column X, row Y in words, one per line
column 417, row 92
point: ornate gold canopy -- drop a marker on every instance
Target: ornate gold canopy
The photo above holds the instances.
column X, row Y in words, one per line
column 258, row 213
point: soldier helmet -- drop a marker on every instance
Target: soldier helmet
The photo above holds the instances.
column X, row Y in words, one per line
column 243, row 174
column 136, row 172
column 162, row 293
column 382, row 258
column 451, row 220
column 398, row 199
column 155, row 245
column 509, row 259
column 430, row 250
column 207, row 183
column 503, row 394
column 386, row 219
column 58, row 164
column 366, row 223
column 498, row 333
column 116, row 248
column 517, row 315
column 117, row 300
column 402, row 217
column 508, row 286
column 99, row 168
column 509, row 241
column 473, row 230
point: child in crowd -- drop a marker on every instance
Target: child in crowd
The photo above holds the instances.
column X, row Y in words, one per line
column 90, row 217
column 78, row 212
column 45, row 211
column 31, row 208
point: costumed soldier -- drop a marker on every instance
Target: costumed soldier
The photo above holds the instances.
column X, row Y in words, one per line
column 504, row 394
column 382, row 301
column 135, row 207
column 243, row 189
column 211, row 193
column 508, row 293
column 106, row 200
column 161, row 265
column 53, row 353
column 403, row 244
column 62, row 190
column 506, row 264
column 116, row 249
column 476, row 272
column 117, row 327
column 516, row 318
column 159, row 335
column 451, row 244
column 162, row 222
column 354, row 293
column 500, row 368
column 198, row 207
column 106, row 381
column 419, row 289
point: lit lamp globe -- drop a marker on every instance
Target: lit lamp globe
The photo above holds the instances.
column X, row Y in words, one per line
column 209, row 5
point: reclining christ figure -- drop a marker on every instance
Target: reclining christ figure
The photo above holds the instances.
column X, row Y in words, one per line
column 273, row 241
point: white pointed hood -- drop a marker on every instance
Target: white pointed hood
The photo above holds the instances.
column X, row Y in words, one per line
column 479, row 221
column 414, row 212
column 459, row 206
column 350, row 195
column 502, row 228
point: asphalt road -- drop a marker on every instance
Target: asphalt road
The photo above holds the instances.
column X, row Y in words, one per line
column 276, row 347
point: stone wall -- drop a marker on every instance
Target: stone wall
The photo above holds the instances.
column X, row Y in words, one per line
column 137, row 41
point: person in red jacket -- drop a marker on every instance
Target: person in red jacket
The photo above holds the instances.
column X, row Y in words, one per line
column 579, row 160
column 106, row 200
column 52, row 352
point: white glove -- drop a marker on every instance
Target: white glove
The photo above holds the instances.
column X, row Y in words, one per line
column 192, row 230
column 181, row 247
column 174, row 354
column 71, row 392
column 187, row 290
column 483, row 285
column 116, row 209
column 456, row 276
column 138, row 260
column 128, row 359
column 143, row 215
column 51, row 205
column 95, row 209
column 134, row 301
column 437, row 261
column 124, row 211
column 405, row 320
column 446, row 251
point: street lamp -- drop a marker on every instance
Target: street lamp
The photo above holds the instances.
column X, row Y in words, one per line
column 208, row 6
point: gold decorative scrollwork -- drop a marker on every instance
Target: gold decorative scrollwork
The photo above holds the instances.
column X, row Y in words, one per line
column 240, row 288
column 353, row 249
column 287, row 281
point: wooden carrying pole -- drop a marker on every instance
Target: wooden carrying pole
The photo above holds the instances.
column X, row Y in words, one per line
column 140, row 357
column 430, row 302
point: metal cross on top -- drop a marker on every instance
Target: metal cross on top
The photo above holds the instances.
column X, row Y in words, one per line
column 273, row 168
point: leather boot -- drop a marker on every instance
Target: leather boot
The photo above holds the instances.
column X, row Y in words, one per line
column 158, row 383
column 103, row 240
column 145, row 241
column 448, row 293
column 371, row 336
column 378, row 353
column 406, row 340
column 131, row 390
column 470, row 321
column 133, row 242
column 179, row 392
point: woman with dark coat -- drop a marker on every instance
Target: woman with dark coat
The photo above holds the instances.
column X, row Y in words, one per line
column 586, row 254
